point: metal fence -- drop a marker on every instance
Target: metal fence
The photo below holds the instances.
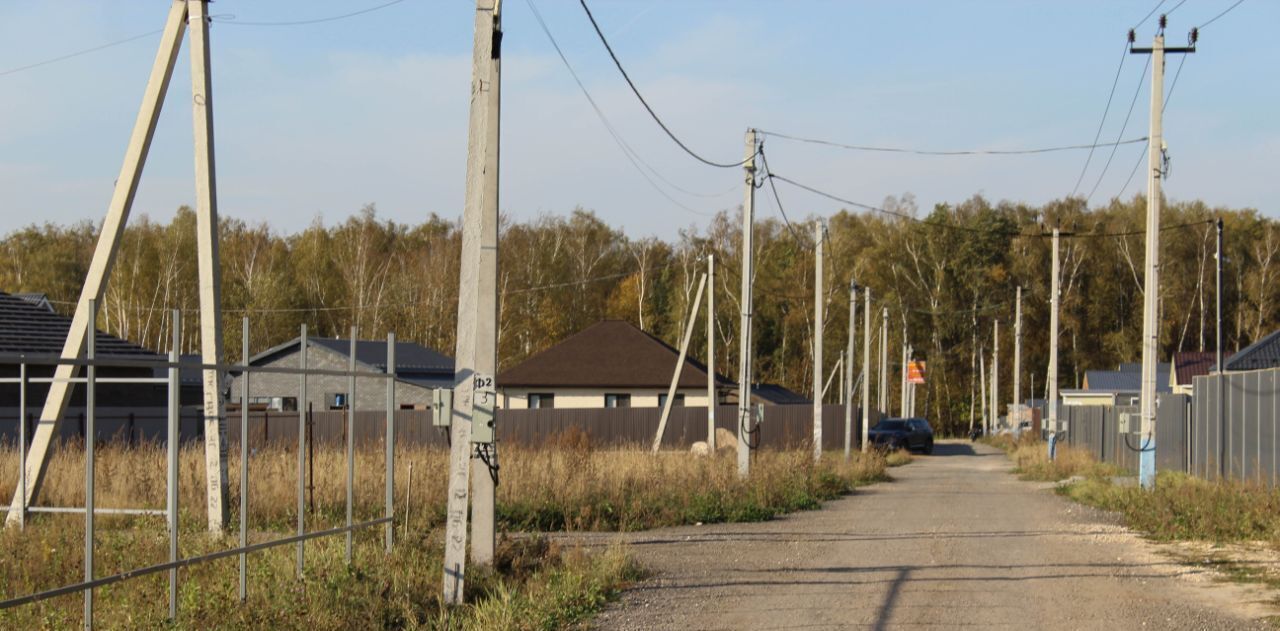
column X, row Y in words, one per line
column 172, row 383
column 1110, row 434
column 1235, row 433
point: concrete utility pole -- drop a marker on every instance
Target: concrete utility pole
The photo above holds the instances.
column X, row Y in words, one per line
column 108, row 244
column 884, row 361
column 1017, row 351
column 866, row 370
column 848, row 369
column 210, row 278
column 902, row 377
column 818, row 238
column 1051, row 401
column 982, row 390
column 477, row 309
column 712, row 400
column 1222, row 425
column 744, row 329
column 1151, row 281
column 995, row 375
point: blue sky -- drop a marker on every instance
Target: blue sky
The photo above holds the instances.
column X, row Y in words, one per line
column 316, row 121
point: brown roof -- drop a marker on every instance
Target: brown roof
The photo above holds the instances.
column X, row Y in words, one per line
column 1192, row 364
column 607, row 354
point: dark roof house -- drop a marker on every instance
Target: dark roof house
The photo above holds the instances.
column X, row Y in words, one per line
column 415, row 363
column 607, row 354
column 30, row 328
column 1264, row 353
column 1127, row 379
column 1188, row 365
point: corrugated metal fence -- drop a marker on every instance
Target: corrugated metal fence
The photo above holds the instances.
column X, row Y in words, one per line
column 1244, row 446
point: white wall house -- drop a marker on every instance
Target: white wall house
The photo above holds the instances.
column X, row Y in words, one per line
column 609, row 364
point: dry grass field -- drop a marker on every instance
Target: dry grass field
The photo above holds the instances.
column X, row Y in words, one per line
column 534, row 584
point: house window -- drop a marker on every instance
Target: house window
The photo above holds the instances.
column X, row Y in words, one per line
column 679, row 402
column 538, row 400
column 617, row 400
column 338, row 401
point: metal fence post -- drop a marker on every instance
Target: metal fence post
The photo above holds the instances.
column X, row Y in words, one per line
column 351, row 438
column 302, row 445
column 171, row 460
column 22, row 445
column 244, row 455
column 390, row 441
column 89, row 402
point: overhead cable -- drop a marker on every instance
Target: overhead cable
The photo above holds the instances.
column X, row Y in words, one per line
column 77, row 53
column 959, row 152
column 231, row 20
column 1123, row 127
column 631, row 154
column 653, row 114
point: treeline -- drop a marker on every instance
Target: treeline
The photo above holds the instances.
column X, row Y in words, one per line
column 944, row 276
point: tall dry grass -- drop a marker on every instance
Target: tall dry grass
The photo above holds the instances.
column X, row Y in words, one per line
column 570, row 487
column 566, row 486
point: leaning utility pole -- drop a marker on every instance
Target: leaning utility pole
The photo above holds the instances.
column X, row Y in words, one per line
column 866, row 371
column 848, row 369
column 744, row 329
column 817, row 341
column 1051, row 401
column 1151, row 281
column 884, row 361
column 712, row 400
column 680, row 360
column 104, row 257
column 474, row 387
column 1017, row 352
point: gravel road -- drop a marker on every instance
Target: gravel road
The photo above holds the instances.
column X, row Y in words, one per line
column 953, row 541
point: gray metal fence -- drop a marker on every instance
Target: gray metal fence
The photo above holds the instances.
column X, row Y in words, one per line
column 172, row 435
column 1235, row 433
column 1105, row 433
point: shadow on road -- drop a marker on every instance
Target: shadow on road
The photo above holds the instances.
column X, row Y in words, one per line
column 955, row 449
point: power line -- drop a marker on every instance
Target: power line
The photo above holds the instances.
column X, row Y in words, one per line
column 1168, row 97
column 78, row 53
column 230, row 19
column 961, row 152
column 1123, row 127
column 1149, row 14
column 1110, row 96
column 636, row 91
column 778, row 200
column 1215, row 18
column 631, row 154
column 1002, row 233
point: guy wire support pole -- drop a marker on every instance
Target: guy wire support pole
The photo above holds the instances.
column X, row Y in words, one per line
column 1151, row 281
column 351, row 439
column 744, row 328
column 103, row 260
column 680, row 363
column 1222, row 421
column 389, row 443
column 712, row 399
column 477, row 301
column 1051, row 381
column 817, row 340
column 245, row 381
column 848, row 371
column 866, row 371
column 303, row 408
column 1017, row 354
column 90, row 438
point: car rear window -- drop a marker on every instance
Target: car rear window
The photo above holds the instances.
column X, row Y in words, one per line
column 891, row 425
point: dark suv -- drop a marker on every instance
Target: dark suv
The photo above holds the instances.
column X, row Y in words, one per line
column 913, row 434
